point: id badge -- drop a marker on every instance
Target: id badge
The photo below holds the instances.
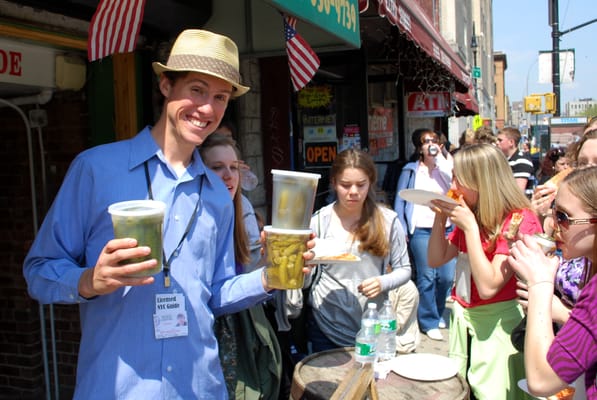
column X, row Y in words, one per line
column 170, row 318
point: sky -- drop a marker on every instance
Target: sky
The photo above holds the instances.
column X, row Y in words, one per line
column 521, row 29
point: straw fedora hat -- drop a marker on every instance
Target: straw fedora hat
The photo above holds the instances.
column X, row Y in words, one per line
column 206, row 52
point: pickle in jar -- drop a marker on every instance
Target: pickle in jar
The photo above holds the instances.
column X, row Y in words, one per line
column 285, row 261
column 142, row 220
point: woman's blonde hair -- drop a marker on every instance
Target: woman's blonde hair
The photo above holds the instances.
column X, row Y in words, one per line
column 484, row 169
column 242, row 253
column 582, row 183
column 370, row 231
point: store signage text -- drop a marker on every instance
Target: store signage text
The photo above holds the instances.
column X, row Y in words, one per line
column 10, row 62
column 319, row 154
column 431, row 104
column 27, row 64
column 338, row 17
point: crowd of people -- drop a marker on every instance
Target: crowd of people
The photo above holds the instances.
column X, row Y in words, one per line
column 234, row 341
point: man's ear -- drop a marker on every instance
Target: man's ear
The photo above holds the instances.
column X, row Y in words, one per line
column 165, row 85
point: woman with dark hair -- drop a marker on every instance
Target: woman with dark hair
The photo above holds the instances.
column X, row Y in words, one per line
column 555, row 160
column 429, row 170
column 356, row 221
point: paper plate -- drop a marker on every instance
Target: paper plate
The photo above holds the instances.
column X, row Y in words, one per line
column 424, row 366
column 423, row 197
column 523, row 385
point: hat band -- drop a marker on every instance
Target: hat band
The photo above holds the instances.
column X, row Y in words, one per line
column 190, row 62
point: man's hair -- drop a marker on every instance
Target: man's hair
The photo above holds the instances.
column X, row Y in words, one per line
column 512, row 133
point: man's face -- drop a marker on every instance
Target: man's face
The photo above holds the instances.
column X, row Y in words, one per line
column 195, row 105
column 505, row 144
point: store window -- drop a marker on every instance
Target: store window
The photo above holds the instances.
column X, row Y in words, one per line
column 383, row 121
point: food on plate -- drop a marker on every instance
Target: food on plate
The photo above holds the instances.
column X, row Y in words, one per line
column 555, row 180
column 564, row 394
column 515, row 222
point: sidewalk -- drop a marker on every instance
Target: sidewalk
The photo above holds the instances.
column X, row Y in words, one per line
column 436, row 346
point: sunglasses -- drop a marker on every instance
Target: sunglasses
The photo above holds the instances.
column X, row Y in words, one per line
column 429, row 140
column 562, row 219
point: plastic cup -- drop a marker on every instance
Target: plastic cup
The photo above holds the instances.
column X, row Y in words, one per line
column 293, row 199
column 142, row 220
column 547, row 243
column 285, row 248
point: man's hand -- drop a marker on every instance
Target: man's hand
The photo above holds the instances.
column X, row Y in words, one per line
column 109, row 275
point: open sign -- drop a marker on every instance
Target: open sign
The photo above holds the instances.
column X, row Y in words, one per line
column 320, row 154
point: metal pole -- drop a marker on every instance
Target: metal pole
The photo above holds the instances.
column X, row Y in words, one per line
column 555, row 55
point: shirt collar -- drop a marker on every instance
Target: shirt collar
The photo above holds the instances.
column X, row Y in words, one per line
column 144, row 147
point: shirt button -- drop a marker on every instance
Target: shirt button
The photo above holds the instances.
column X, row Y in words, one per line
column 176, row 218
column 72, row 296
column 169, row 368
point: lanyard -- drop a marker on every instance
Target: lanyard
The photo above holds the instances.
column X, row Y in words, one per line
column 166, row 261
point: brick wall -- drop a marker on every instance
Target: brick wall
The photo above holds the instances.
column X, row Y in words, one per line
column 21, row 358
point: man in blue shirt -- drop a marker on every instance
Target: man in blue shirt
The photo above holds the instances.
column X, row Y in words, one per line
column 125, row 350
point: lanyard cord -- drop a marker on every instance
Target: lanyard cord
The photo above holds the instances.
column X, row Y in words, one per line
column 166, row 261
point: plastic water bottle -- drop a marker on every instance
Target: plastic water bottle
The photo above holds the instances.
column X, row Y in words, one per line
column 386, row 345
column 368, row 336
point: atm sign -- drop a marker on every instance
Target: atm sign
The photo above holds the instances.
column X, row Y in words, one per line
column 320, row 154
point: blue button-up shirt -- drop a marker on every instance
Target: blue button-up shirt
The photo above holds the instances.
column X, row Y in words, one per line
column 119, row 356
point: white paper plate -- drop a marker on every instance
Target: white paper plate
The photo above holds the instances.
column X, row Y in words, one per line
column 523, row 385
column 423, row 197
column 578, row 394
column 424, row 366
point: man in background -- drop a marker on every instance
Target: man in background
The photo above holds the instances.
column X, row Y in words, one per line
column 508, row 140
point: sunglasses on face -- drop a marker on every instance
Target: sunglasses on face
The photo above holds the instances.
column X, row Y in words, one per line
column 562, row 219
column 429, row 140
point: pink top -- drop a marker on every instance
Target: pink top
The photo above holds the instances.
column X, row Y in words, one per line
column 574, row 350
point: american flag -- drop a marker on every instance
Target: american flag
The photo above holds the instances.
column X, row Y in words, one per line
column 302, row 60
column 114, row 28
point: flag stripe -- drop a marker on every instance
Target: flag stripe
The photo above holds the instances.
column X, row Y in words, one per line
column 114, row 27
column 302, row 60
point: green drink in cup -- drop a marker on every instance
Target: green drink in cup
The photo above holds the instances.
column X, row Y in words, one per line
column 142, row 220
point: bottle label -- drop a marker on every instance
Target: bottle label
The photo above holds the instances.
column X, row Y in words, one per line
column 377, row 328
column 388, row 325
column 364, row 349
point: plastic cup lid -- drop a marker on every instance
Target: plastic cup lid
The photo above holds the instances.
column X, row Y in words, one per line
column 296, row 174
column 137, row 208
column 271, row 229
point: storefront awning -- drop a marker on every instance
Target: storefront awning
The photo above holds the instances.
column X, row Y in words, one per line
column 413, row 22
column 466, row 103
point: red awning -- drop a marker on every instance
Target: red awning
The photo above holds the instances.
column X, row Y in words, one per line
column 466, row 103
column 412, row 21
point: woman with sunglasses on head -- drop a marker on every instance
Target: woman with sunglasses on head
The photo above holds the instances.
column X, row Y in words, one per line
column 430, row 170
column 491, row 209
column 554, row 362
column 570, row 276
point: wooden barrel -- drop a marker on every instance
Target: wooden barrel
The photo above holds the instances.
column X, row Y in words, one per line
column 317, row 377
